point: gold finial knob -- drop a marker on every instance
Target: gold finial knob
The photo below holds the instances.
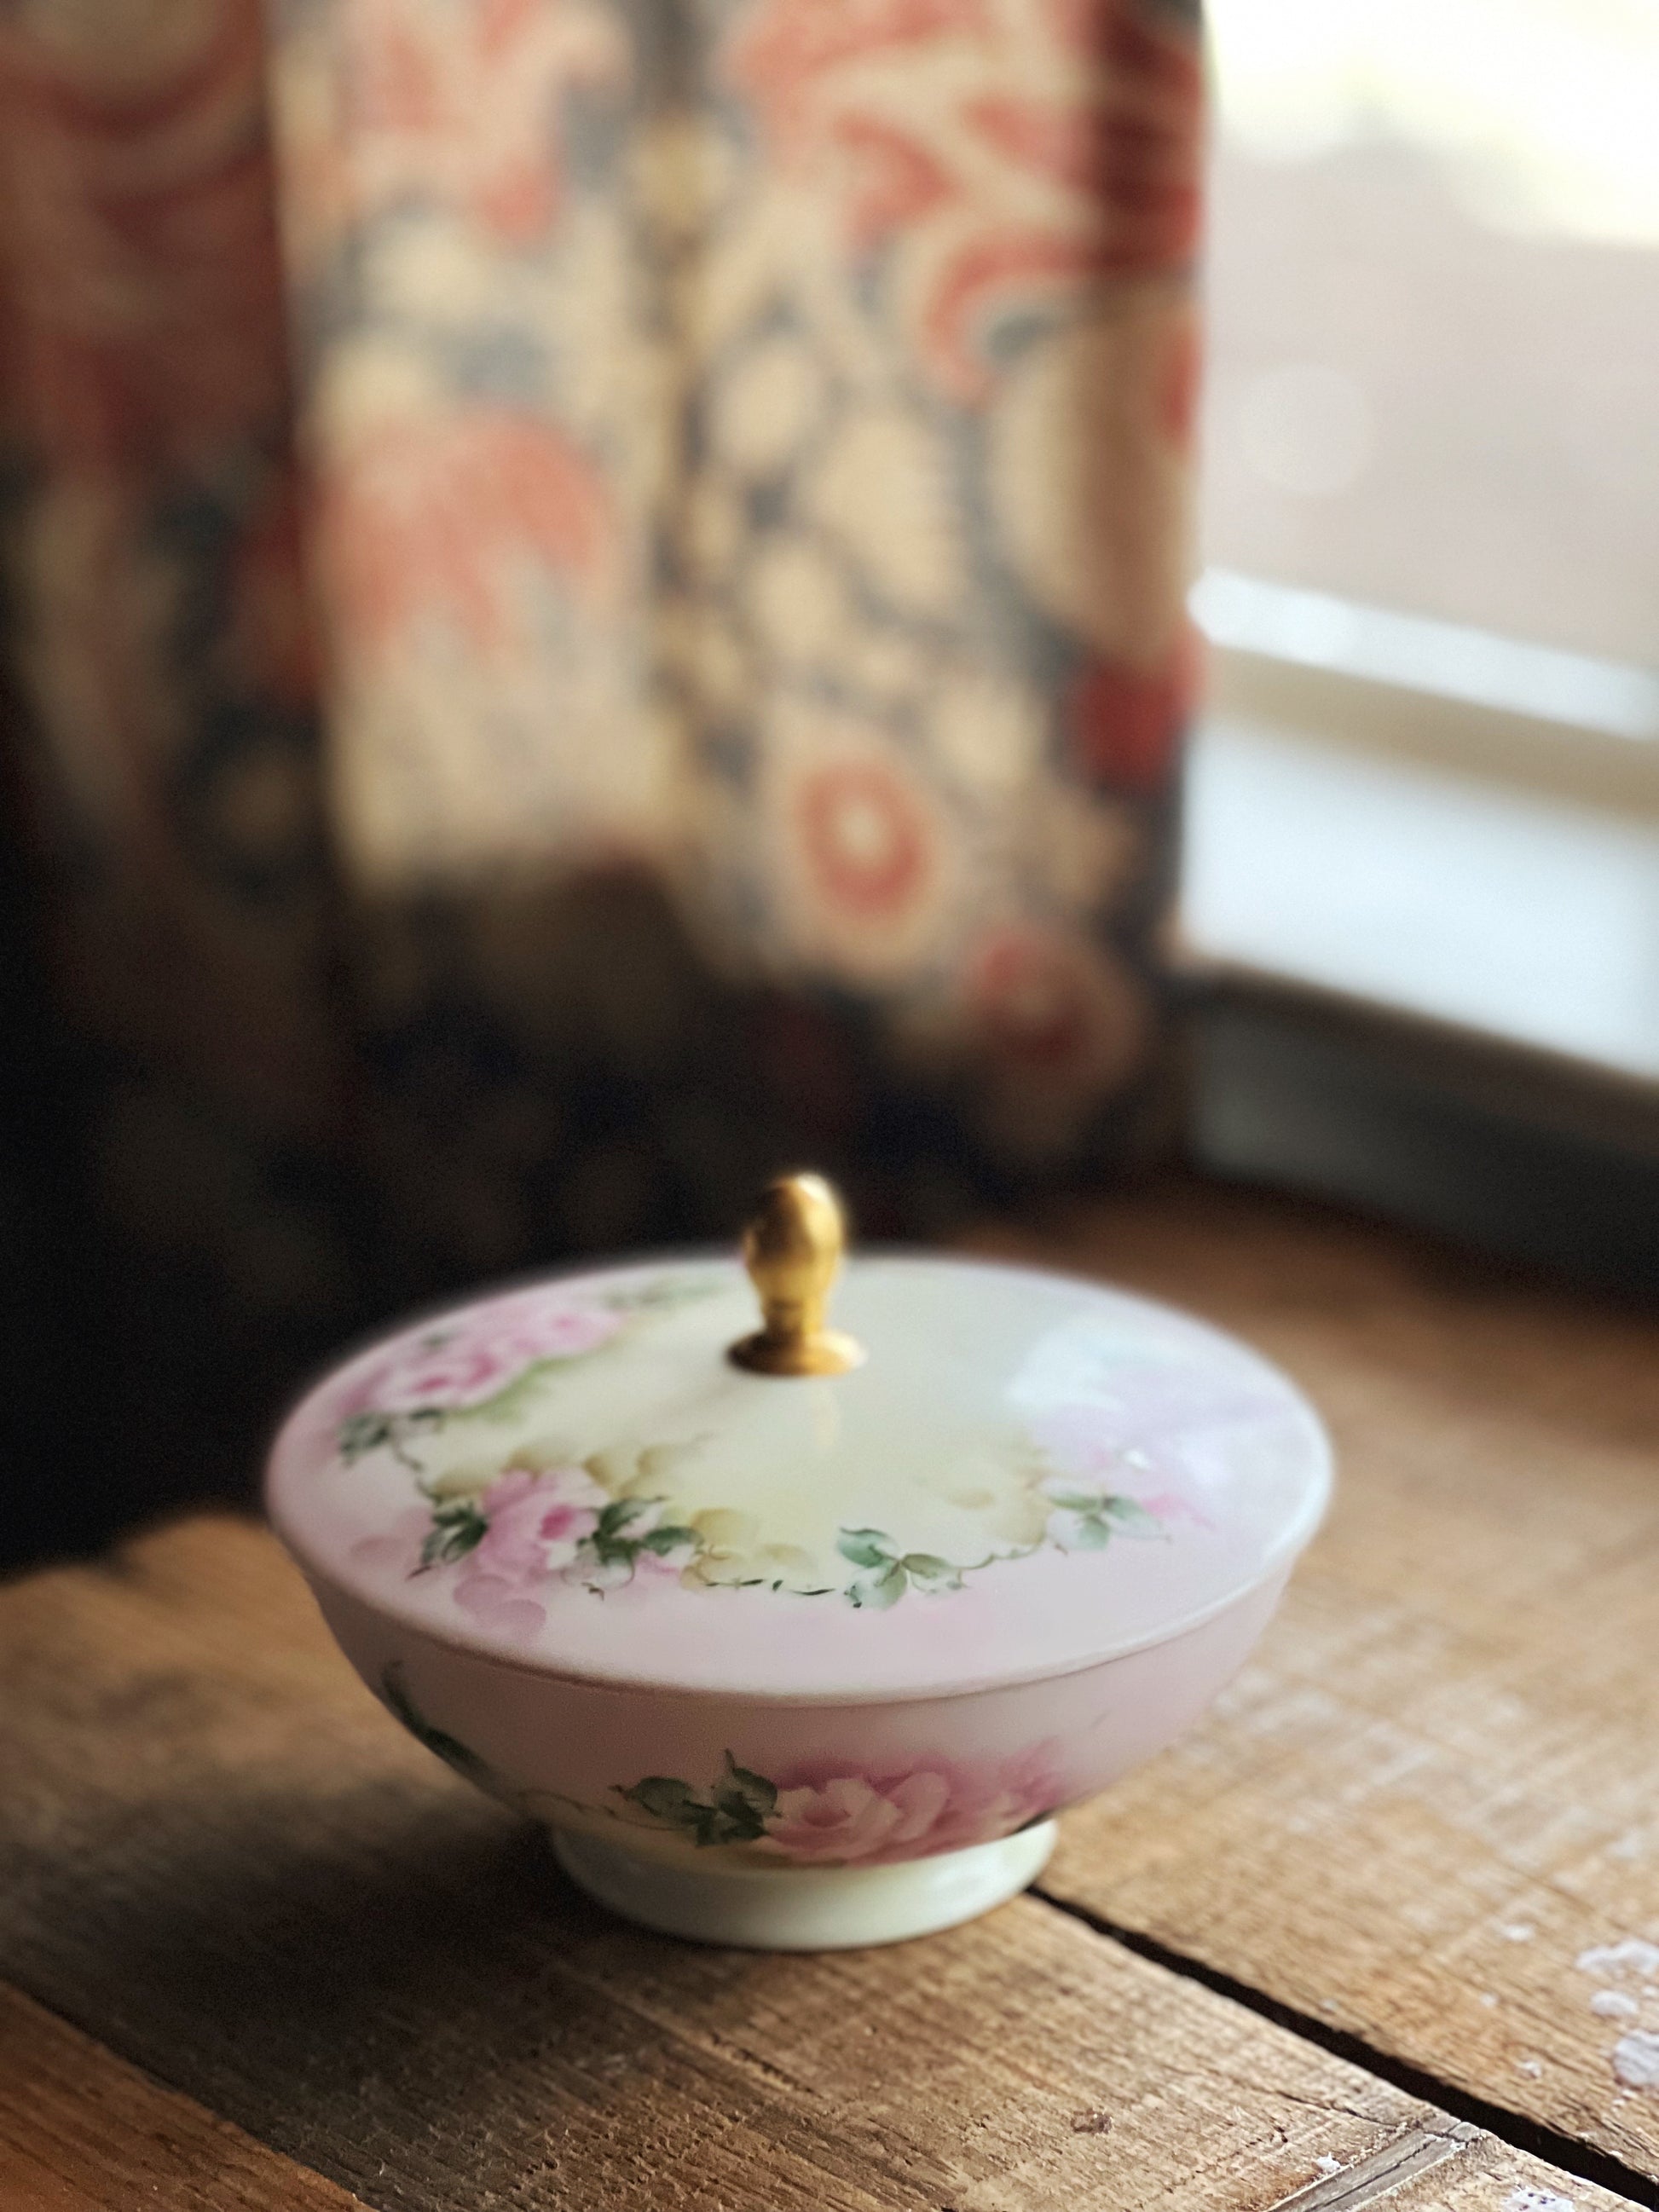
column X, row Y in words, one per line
column 793, row 1250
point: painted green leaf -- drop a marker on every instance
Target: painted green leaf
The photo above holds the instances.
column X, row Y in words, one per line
column 609, row 1545
column 664, row 1799
column 1133, row 1517
column 753, row 1790
column 1075, row 1501
column 929, row 1572
column 366, row 1432
column 734, row 1810
column 616, row 1517
column 1090, row 1535
column 878, row 1591
column 662, row 1541
column 741, row 1803
column 456, row 1531
column 728, row 1822
column 864, row 1548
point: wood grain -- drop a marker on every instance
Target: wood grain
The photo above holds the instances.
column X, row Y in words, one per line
column 1440, row 1783
column 83, row 2131
column 215, row 1853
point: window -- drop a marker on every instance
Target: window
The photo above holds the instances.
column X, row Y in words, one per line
column 1430, row 774
column 1434, row 293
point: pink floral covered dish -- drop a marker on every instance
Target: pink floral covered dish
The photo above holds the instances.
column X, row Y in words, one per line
column 721, row 1605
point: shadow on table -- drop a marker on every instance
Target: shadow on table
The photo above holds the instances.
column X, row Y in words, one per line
column 394, row 1984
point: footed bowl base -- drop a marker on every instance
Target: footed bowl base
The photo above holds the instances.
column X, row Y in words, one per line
column 814, row 1909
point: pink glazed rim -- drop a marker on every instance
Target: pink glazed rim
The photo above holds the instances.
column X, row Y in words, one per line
column 534, row 1314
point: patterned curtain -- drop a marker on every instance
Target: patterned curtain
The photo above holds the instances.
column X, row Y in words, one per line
column 642, row 641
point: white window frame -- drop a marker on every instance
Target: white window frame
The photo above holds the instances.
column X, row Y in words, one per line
column 1460, row 700
column 1399, row 813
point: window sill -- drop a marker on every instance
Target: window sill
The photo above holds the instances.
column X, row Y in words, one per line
column 1432, row 997
column 1518, row 918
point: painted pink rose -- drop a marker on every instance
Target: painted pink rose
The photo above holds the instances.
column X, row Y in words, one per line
column 851, row 1818
column 464, row 1362
column 537, row 1526
column 875, row 1818
column 537, row 1521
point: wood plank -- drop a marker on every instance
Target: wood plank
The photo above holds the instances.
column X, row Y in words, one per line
column 1439, row 1785
column 83, row 2131
column 215, row 1853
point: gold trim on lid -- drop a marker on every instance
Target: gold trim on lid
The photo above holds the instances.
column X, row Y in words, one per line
column 793, row 1250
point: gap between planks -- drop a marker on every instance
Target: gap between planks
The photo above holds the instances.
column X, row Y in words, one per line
column 1476, row 2115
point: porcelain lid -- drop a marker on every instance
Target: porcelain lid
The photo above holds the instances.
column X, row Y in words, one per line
column 1026, row 1473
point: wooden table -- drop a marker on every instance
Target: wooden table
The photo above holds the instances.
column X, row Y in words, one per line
column 262, row 1951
